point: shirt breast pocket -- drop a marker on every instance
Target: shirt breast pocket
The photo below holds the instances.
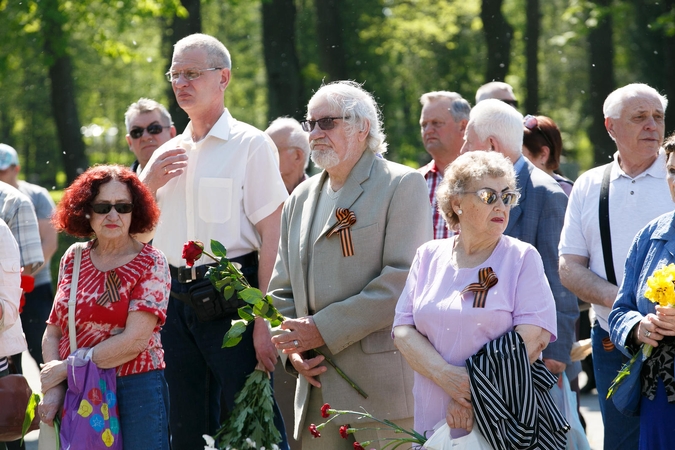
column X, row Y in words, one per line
column 215, row 199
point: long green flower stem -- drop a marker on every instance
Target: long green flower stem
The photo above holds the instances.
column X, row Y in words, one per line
column 259, row 305
column 330, row 361
column 415, row 437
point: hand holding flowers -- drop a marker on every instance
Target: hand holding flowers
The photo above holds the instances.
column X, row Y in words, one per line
column 660, row 290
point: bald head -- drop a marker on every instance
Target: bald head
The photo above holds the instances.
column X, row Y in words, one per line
column 292, row 142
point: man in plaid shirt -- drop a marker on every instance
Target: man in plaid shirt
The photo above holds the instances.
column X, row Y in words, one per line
column 442, row 122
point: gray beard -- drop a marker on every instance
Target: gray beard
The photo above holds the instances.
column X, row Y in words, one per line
column 325, row 159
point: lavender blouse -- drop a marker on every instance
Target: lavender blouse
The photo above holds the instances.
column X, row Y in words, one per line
column 432, row 302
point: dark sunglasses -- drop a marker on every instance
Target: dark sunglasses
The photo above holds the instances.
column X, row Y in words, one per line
column 153, row 128
column 326, row 123
column 104, row 208
column 531, row 123
column 513, row 103
column 490, row 196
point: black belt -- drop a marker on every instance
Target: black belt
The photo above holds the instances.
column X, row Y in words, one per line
column 189, row 274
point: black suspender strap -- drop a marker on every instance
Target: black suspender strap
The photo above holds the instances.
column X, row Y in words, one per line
column 605, row 235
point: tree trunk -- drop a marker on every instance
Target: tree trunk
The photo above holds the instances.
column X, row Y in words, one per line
column 176, row 30
column 601, row 68
column 498, row 34
column 332, row 52
column 64, row 106
column 532, row 55
column 284, row 81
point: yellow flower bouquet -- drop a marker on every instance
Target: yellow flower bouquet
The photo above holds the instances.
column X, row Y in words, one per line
column 660, row 290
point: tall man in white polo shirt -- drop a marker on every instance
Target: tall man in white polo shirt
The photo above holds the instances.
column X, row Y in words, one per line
column 218, row 180
column 638, row 193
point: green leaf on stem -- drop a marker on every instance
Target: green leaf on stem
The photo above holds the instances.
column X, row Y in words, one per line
column 246, row 313
column 250, row 295
column 218, row 249
column 30, row 414
column 233, row 336
column 261, row 309
column 228, row 292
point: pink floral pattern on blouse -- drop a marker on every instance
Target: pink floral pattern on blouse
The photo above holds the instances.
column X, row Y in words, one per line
column 145, row 284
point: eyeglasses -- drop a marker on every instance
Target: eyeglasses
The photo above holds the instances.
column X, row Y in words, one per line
column 153, row 128
column 104, row 208
column 531, row 123
column 326, row 123
column 188, row 74
column 490, row 196
column 513, row 103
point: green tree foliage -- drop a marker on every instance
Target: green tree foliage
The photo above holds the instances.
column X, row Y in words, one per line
column 79, row 56
column 399, row 49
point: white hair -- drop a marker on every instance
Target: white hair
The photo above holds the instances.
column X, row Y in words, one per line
column 487, row 90
column 297, row 137
column 495, row 118
column 459, row 107
column 358, row 107
column 217, row 54
column 614, row 102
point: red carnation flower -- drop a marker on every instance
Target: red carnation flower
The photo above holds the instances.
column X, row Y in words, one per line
column 324, row 411
column 315, row 432
column 192, row 251
column 343, row 431
column 358, row 446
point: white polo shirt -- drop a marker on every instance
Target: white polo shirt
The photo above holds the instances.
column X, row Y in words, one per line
column 633, row 203
column 231, row 182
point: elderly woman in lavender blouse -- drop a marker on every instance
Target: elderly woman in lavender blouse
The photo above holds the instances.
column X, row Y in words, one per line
column 439, row 323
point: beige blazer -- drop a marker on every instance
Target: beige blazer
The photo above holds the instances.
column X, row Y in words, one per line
column 355, row 296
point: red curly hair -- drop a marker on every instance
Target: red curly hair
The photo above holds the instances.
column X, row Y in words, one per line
column 73, row 212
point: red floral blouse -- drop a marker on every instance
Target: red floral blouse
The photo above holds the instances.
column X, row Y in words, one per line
column 104, row 300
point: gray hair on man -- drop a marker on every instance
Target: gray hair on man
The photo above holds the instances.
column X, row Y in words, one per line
column 297, row 137
column 486, row 91
column 146, row 105
column 459, row 107
column 217, row 54
column 358, row 107
column 615, row 101
column 493, row 117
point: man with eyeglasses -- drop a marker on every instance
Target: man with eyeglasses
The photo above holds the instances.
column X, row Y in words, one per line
column 538, row 217
column 349, row 235
column 149, row 126
column 442, row 123
column 219, row 180
column 497, row 90
column 636, row 193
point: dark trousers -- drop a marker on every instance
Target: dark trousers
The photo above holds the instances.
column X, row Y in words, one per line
column 198, row 370
column 621, row 432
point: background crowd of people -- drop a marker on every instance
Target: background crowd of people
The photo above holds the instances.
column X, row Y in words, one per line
column 399, row 275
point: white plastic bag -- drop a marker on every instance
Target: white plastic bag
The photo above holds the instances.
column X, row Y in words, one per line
column 47, row 437
column 441, row 439
column 566, row 401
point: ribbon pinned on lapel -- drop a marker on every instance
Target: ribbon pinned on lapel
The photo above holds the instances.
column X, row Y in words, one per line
column 486, row 279
column 346, row 219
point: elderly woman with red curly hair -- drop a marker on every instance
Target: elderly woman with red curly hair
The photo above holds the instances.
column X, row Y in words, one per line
column 121, row 302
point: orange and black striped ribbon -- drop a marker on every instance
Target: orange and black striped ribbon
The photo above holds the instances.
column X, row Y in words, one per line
column 112, row 289
column 346, row 219
column 607, row 344
column 486, row 279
